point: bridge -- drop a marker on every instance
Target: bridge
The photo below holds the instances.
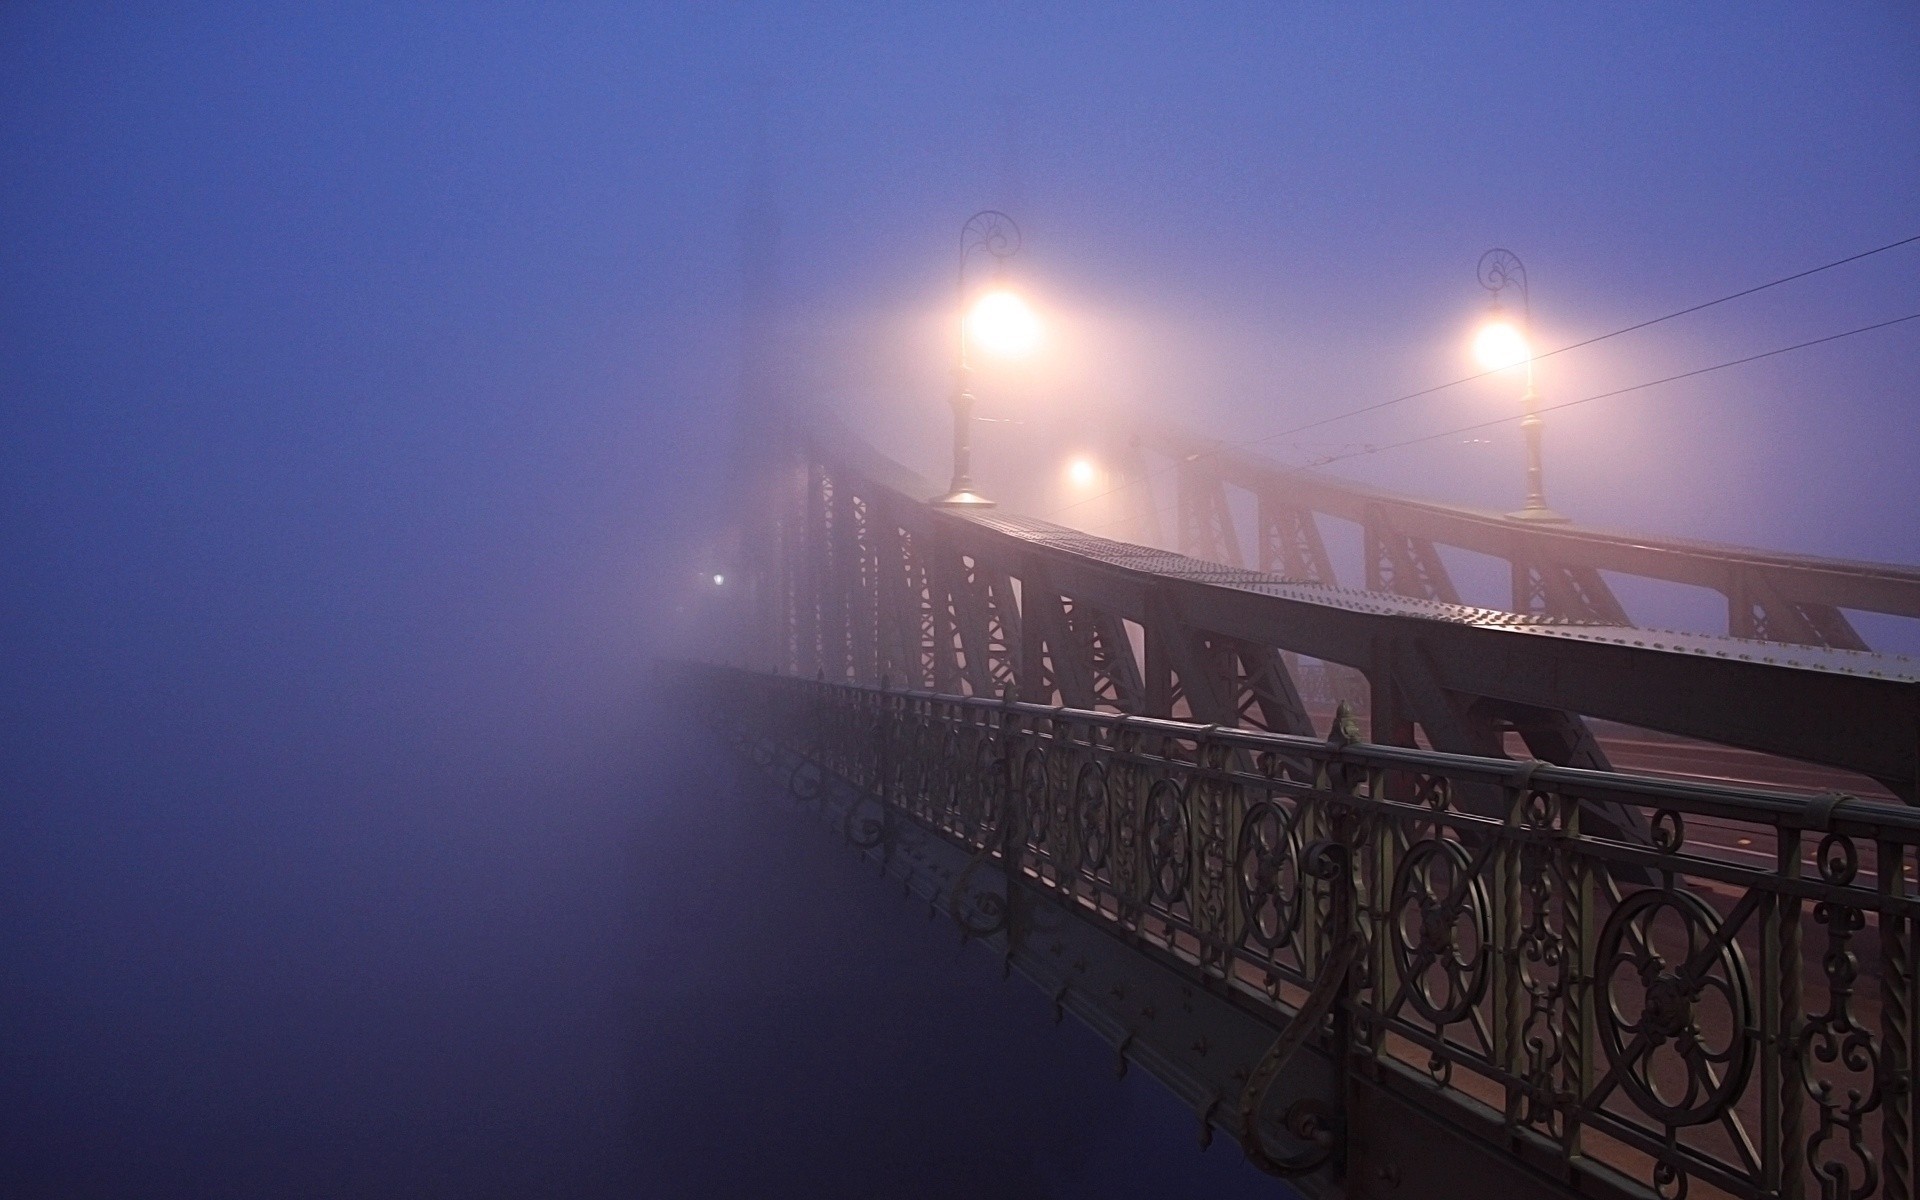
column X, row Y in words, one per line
column 1450, row 952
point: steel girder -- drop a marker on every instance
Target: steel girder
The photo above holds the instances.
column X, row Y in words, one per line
column 1404, row 565
column 1461, row 675
column 1557, row 568
column 1206, row 523
column 1290, row 543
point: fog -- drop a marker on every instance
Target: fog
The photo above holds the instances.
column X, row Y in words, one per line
column 370, row 381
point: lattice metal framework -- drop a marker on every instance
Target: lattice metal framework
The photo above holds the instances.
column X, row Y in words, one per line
column 1535, row 951
column 1557, row 569
column 1466, row 989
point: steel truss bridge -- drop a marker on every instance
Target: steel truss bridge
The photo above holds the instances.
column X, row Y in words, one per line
column 1390, row 962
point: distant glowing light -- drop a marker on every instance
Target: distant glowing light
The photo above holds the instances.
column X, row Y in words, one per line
column 1003, row 325
column 1499, row 345
column 719, row 581
column 1081, row 473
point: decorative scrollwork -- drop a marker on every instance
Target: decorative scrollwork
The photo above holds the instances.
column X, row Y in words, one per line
column 1545, row 969
column 867, row 829
column 807, row 782
column 1270, row 883
column 1061, row 776
column 980, row 912
column 1837, row 1041
column 1539, row 811
column 956, row 783
column 1676, row 1007
column 1168, row 842
column 1330, row 862
column 1613, row 1014
column 1209, row 809
column 985, row 801
column 1669, row 831
column 1033, row 796
column 1839, row 860
column 1124, row 786
column 991, row 231
column 1441, row 930
column 1669, row 1181
column 1501, row 269
column 761, row 752
column 1090, row 816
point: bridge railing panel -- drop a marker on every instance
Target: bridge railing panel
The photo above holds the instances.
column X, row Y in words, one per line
column 1673, row 1016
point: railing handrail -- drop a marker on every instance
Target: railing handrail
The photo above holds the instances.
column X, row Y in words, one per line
column 1826, row 811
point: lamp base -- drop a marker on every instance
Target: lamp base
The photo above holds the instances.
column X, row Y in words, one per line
column 1539, row 516
column 963, row 499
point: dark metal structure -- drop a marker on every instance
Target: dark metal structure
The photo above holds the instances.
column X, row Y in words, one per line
column 1526, row 976
column 1557, row 570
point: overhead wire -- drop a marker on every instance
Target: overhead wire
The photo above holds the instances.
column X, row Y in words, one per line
column 1638, row 387
column 1441, row 387
column 1375, row 407
column 1163, row 509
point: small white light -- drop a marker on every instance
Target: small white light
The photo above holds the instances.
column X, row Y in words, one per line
column 719, row 580
column 1080, row 472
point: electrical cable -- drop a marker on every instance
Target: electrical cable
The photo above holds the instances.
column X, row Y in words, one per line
column 1638, row 387
column 1838, row 262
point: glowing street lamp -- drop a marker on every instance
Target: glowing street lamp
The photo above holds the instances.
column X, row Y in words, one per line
column 1001, row 324
column 1500, row 345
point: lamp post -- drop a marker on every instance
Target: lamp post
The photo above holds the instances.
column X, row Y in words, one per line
column 997, row 235
column 1499, row 346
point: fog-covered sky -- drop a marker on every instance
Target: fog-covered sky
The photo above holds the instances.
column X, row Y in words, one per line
column 367, row 377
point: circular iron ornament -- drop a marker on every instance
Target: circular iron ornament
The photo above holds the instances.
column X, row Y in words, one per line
column 1669, row 831
column 979, row 912
column 1676, row 1007
column 1669, row 1181
column 1538, row 811
column 862, row 830
column 1441, row 929
column 1090, row 811
column 1270, row 882
column 806, row 782
column 1839, row 861
column 1168, row 842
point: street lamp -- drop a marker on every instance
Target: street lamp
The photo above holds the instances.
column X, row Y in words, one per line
column 1001, row 324
column 1501, row 344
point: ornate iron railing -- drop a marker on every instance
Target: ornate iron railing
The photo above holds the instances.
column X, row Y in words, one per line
column 1678, row 1018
